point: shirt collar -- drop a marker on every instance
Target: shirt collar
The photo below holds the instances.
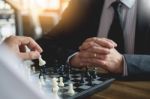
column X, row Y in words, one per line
column 128, row 3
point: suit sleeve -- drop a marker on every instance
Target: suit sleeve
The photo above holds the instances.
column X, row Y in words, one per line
column 65, row 38
column 138, row 65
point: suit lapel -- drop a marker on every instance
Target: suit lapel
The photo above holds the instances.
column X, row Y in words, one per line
column 97, row 11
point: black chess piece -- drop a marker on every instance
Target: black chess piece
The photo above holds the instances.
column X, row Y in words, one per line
column 62, row 70
column 68, row 72
column 87, row 73
column 82, row 78
column 94, row 75
column 90, row 80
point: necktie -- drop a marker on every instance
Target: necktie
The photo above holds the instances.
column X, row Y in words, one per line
column 116, row 32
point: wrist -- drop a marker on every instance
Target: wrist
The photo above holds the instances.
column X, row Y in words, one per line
column 120, row 65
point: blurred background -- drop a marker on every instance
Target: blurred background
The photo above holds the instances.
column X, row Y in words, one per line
column 29, row 17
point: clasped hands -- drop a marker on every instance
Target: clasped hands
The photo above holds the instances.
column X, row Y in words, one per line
column 99, row 52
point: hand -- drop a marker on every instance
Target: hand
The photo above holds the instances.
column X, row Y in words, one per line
column 93, row 44
column 112, row 62
column 99, row 52
column 95, row 41
column 18, row 43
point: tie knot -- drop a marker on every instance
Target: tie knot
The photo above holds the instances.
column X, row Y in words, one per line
column 115, row 4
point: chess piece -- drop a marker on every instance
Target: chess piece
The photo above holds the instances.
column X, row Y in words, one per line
column 61, row 84
column 41, row 61
column 90, row 80
column 82, row 78
column 33, row 69
column 71, row 91
column 68, row 73
column 62, row 70
column 42, row 81
column 87, row 73
column 94, row 73
column 42, row 67
column 55, row 87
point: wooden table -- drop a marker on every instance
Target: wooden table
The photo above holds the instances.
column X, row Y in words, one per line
column 125, row 90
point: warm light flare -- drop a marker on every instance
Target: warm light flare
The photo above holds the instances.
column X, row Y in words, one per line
column 54, row 4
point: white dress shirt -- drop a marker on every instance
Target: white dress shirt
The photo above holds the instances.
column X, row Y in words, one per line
column 127, row 12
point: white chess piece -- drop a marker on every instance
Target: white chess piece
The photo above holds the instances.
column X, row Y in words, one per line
column 55, row 87
column 71, row 90
column 61, row 84
column 33, row 69
column 55, row 91
column 41, row 61
column 42, row 80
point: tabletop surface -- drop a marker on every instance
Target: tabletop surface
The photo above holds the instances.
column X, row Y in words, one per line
column 125, row 90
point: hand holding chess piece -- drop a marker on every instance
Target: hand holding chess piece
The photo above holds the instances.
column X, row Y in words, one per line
column 17, row 44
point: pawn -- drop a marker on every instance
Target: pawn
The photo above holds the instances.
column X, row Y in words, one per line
column 61, row 84
column 55, row 87
column 42, row 80
column 33, row 69
column 71, row 91
column 41, row 61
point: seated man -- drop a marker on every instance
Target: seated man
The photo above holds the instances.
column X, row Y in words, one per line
column 111, row 34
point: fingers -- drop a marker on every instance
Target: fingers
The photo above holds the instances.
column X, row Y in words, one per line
column 94, row 62
column 98, row 50
column 29, row 55
column 86, row 54
column 30, row 43
column 87, row 44
column 98, row 42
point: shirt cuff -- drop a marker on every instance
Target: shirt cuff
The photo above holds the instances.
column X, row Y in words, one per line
column 68, row 59
column 125, row 69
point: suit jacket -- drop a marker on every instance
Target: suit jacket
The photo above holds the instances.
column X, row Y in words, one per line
column 81, row 20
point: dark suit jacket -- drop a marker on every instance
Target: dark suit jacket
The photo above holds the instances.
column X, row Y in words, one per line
column 81, row 20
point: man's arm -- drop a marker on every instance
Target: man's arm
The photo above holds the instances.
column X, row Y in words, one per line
column 138, row 64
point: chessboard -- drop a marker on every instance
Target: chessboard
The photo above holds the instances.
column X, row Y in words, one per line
column 85, row 81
